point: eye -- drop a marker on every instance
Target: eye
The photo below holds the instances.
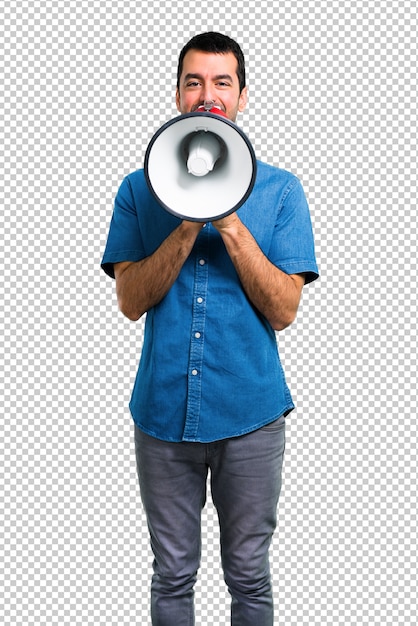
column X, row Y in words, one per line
column 193, row 83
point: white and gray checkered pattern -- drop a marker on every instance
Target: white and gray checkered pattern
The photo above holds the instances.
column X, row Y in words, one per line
column 333, row 98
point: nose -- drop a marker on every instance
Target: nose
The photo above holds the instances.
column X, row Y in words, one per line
column 208, row 94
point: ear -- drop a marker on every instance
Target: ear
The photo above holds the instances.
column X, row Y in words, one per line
column 178, row 100
column 243, row 99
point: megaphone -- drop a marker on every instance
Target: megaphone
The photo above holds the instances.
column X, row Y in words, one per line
column 200, row 166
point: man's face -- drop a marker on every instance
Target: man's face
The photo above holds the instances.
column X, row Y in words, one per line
column 208, row 76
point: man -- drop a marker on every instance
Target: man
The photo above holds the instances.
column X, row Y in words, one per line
column 210, row 393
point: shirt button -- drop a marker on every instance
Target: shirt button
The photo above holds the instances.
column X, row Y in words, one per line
column 197, row 335
column 200, row 300
column 194, row 372
column 202, row 262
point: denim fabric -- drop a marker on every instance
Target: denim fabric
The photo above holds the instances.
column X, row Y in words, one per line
column 210, row 367
column 245, row 477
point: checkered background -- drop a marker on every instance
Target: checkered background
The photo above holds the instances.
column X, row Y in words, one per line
column 333, row 98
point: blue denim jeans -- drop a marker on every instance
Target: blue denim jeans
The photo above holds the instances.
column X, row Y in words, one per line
column 245, row 484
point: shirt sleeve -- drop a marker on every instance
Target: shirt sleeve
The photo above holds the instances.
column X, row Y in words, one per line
column 293, row 248
column 124, row 242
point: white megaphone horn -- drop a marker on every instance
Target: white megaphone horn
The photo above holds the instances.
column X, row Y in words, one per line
column 200, row 166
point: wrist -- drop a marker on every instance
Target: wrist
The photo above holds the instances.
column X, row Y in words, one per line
column 229, row 226
column 190, row 230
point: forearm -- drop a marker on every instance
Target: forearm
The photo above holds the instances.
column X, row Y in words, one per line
column 142, row 285
column 273, row 292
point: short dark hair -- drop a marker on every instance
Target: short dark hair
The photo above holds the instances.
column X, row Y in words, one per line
column 216, row 43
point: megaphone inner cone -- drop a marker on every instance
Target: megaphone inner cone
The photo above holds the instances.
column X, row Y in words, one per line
column 202, row 152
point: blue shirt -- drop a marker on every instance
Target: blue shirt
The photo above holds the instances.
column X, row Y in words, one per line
column 210, row 367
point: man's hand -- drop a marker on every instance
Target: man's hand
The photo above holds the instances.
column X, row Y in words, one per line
column 191, row 228
column 228, row 222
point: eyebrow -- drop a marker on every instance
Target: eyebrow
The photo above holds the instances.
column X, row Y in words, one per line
column 200, row 77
